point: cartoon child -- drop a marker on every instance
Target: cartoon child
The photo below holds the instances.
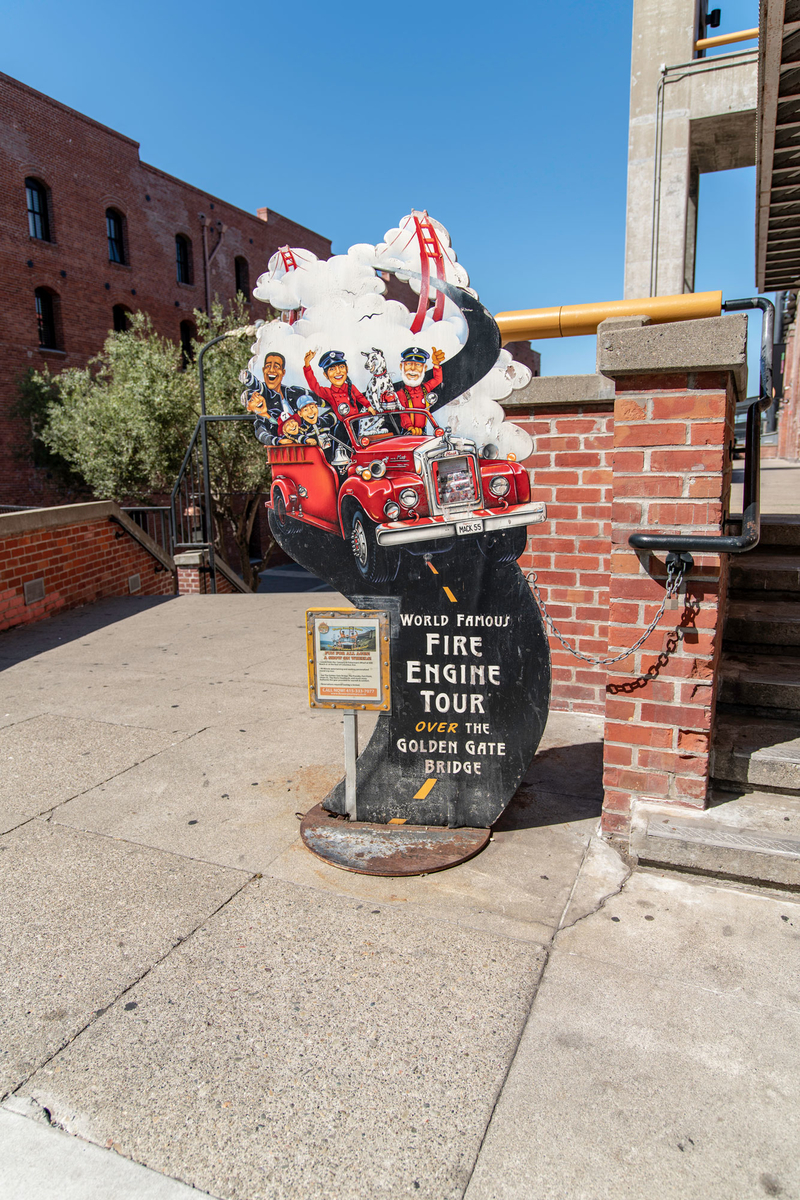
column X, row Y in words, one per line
column 416, row 386
column 256, row 401
column 310, row 432
column 288, row 429
column 342, row 395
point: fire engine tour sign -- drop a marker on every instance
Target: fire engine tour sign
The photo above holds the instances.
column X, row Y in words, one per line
column 397, row 479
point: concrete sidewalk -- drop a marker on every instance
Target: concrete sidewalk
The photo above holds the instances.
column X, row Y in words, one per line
column 203, row 1004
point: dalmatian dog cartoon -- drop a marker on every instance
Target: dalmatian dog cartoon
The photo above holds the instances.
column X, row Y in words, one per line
column 380, row 389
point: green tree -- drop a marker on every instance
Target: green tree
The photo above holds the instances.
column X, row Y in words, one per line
column 124, row 422
column 36, row 391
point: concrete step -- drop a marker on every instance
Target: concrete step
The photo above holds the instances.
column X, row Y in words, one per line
column 753, row 836
column 777, row 529
column 773, row 625
column 767, row 569
column 761, row 685
column 762, row 753
column 780, row 530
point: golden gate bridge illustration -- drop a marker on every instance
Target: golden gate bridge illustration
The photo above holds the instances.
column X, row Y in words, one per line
column 432, row 258
column 432, row 254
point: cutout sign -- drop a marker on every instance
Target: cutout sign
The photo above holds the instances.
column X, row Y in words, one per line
column 397, row 479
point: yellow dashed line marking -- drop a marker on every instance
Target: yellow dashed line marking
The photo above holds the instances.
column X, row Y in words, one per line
column 398, row 820
column 425, row 789
column 433, row 568
column 450, row 595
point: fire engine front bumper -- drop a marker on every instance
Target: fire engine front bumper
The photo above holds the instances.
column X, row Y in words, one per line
column 467, row 524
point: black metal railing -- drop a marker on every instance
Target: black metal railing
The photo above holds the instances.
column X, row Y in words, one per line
column 154, row 520
column 191, row 509
column 748, row 539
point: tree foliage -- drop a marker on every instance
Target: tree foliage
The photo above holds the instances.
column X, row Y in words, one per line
column 36, row 391
column 124, row 423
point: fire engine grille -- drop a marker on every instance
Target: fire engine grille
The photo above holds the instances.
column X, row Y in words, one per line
column 454, row 482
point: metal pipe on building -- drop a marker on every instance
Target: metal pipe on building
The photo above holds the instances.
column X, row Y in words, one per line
column 573, row 320
column 726, row 39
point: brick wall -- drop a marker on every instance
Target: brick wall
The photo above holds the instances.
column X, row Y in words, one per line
column 789, row 415
column 571, row 469
column 80, row 556
column 87, row 169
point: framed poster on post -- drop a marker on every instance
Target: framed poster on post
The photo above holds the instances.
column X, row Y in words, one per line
column 348, row 659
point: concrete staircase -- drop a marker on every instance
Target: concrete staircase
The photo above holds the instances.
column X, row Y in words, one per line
column 751, row 830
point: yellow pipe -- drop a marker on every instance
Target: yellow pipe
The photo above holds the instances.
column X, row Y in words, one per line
column 725, row 39
column 572, row 320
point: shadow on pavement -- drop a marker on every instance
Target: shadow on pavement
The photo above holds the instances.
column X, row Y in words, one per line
column 562, row 784
column 26, row 641
column 290, row 577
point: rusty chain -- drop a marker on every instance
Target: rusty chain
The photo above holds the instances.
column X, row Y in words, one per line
column 675, row 573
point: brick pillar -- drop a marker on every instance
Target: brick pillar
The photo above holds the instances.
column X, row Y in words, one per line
column 676, row 387
column 192, row 572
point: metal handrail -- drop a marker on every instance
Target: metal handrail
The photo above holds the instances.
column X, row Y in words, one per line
column 176, row 518
column 751, row 506
column 160, row 514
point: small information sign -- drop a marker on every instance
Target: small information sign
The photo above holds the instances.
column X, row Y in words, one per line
column 348, row 658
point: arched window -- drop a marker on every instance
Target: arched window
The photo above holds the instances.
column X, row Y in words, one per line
column 183, row 258
column 115, row 231
column 122, row 318
column 242, row 276
column 46, row 302
column 38, row 210
column 188, row 334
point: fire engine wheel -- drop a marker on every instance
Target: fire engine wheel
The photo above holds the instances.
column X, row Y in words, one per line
column 375, row 563
column 503, row 547
column 279, row 508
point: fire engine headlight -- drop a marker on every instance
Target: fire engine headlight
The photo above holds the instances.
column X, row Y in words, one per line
column 499, row 485
column 377, row 468
column 343, row 410
column 392, row 510
column 408, row 498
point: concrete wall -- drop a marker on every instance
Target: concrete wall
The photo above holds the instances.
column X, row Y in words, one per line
column 683, row 123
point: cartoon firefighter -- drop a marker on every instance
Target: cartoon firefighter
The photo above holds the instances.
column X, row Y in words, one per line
column 416, row 387
column 342, row 395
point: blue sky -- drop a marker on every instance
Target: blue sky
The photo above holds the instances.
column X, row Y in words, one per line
column 507, row 122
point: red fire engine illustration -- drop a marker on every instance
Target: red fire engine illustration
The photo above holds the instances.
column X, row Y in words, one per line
column 384, row 491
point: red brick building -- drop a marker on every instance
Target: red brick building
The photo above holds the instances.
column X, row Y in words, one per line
column 88, row 232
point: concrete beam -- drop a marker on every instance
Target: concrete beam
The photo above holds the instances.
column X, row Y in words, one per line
column 560, row 389
column 715, row 344
column 55, row 518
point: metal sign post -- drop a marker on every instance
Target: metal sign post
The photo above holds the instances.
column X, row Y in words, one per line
column 348, row 661
column 350, row 756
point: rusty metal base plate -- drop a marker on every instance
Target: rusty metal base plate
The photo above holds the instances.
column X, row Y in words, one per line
column 391, row 850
